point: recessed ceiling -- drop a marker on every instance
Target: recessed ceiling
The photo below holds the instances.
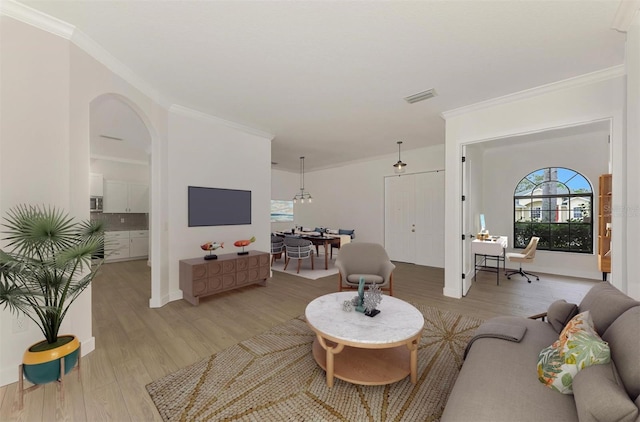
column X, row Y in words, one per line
column 328, row 79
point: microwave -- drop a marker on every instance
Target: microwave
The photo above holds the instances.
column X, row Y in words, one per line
column 95, row 204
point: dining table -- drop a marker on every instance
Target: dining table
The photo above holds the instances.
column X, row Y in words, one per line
column 325, row 240
column 318, row 240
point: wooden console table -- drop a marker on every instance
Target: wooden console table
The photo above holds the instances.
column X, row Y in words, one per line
column 199, row 278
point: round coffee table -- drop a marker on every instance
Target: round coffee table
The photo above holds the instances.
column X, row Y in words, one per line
column 365, row 350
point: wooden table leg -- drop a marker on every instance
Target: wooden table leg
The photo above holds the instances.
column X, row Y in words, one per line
column 413, row 348
column 331, row 352
column 326, row 255
column 21, row 385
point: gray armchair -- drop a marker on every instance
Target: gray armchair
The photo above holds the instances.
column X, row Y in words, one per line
column 297, row 249
column 368, row 260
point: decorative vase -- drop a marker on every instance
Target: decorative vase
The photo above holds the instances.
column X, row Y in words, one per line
column 41, row 365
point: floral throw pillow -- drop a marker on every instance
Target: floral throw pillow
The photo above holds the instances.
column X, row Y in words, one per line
column 578, row 346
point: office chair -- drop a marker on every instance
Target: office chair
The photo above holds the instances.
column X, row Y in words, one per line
column 527, row 255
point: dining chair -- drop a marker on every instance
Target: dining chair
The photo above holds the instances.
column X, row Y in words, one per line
column 277, row 247
column 298, row 249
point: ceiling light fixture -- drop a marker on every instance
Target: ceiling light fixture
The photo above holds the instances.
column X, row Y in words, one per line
column 302, row 195
column 399, row 166
column 421, row 96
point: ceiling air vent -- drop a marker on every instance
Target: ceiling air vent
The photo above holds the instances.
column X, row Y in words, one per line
column 420, row 96
column 111, row 137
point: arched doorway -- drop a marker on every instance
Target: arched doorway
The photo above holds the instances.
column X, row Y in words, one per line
column 121, row 144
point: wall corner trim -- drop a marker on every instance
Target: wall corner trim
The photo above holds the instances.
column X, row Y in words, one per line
column 55, row 26
column 198, row 115
column 586, row 79
column 624, row 15
column 34, row 17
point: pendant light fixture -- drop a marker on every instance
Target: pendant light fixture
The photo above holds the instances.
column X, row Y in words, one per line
column 302, row 195
column 399, row 166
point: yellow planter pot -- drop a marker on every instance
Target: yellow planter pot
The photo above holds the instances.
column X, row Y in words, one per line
column 41, row 367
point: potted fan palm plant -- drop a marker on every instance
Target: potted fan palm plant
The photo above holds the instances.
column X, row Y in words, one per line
column 44, row 267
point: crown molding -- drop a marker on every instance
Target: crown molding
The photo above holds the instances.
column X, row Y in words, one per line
column 33, row 17
column 578, row 81
column 55, row 26
column 625, row 14
column 95, row 50
column 62, row 29
column 198, row 115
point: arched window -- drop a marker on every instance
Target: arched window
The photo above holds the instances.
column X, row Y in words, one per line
column 555, row 204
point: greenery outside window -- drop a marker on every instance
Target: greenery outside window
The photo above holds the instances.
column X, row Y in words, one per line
column 555, row 204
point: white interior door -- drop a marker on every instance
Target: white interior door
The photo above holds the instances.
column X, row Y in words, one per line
column 466, row 272
column 400, row 225
column 429, row 192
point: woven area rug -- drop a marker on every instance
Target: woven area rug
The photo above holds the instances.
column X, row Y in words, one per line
column 273, row 377
column 305, row 267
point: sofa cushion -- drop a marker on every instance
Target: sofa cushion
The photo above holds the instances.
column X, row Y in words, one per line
column 623, row 337
column 606, row 303
column 600, row 398
column 560, row 313
column 578, row 347
column 368, row 278
column 498, row 380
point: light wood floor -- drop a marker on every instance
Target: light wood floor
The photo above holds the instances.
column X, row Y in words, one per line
column 136, row 345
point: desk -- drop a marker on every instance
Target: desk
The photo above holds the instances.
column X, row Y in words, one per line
column 492, row 249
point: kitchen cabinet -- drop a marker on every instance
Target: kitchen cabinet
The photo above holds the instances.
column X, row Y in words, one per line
column 120, row 245
column 116, row 245
column 95, row 184
column 125, row 197
column 139, row 244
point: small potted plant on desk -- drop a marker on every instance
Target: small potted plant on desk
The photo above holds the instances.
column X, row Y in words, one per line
column 46, row 266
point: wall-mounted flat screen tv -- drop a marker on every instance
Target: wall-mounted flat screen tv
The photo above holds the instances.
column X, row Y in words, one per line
column 218, row 207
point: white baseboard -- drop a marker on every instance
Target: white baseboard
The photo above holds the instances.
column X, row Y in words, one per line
column 451, row 293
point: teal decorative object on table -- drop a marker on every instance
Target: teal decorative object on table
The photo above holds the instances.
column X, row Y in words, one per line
column 360, row 304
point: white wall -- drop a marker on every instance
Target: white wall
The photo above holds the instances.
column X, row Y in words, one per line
column 632, row 247
column 204, row 152
column 47, row 86
column 45, row 159
column 352, row 196
column 34, row 148
column 586, row 99
column 505, row 166
column 117, row 170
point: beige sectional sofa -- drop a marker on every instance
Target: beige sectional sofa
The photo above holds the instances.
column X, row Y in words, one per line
column 498, row 380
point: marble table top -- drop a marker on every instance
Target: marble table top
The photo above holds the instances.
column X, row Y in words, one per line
column 396, row 322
